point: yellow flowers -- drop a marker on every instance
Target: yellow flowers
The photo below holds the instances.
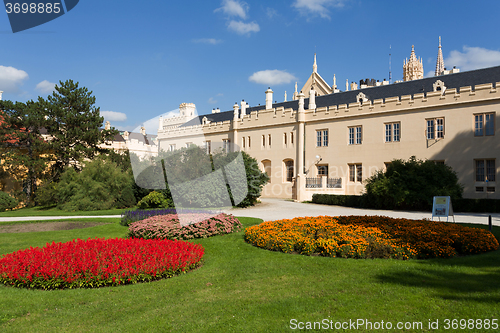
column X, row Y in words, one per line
column 370, row 237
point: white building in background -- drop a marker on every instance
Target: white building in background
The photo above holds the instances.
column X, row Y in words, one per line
column 329, row 141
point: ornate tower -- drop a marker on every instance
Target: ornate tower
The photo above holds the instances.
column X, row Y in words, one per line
column 439, row 61
column 413, row 69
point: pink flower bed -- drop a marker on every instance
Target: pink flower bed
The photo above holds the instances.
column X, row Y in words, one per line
column 169, row 227
column 98, row 262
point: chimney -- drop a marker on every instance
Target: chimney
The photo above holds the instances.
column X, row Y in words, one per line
column 235, row 111
column 143, row 130
column 301, row 97
column 269, row 98
column 244, row 107
column 160, row 123
column 312, row 99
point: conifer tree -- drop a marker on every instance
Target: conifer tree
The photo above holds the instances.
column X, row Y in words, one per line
column 73, row 123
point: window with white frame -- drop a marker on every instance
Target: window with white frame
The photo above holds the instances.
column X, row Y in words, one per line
column 484, row 124
column 435, row 128
column 172, row 147
column 355, row 135
column 322, row 170
column 226, row 145
column 485, row 170
column 393, row 132
column 356, row 172
column 322, row 138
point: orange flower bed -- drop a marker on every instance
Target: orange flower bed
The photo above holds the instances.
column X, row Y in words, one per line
column 370, row 237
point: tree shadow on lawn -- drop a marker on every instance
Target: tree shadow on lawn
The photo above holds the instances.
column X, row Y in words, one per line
column 474, row 278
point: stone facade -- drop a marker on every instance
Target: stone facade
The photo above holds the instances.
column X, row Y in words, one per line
column 331, row 143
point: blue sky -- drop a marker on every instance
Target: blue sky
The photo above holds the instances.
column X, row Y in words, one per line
column 143, row 58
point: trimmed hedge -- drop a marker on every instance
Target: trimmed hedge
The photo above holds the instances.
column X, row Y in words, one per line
column 360, row 201
column 339, row 200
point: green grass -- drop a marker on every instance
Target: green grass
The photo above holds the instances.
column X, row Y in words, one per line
column 53, row 211
column 241, row 288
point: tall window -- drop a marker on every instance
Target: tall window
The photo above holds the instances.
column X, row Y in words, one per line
column 248, row 142
column 266, row 165
column 263, row 141
column 355, row 135
column 435, row 128
column 243, row 142
column 289, row 170
column 291, row 138
column 269, row 139
column 355, row 172
column 208, row 147
column 322, row 138
column 226, row 145
column 172, row 147
column 484, row 124
column 485, row 170
column 322, row 170
column 392, row 132
column 284, row 139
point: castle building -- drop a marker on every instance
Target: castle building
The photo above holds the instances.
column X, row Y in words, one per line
column 328, row 141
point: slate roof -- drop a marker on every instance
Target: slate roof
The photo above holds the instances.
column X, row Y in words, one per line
column 457, row 80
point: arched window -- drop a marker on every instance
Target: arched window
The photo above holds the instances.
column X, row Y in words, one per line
column 266, row 167
column 289, row 170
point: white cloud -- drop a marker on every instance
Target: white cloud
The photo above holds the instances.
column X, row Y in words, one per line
column 272, row 77
column 234, row 8
column 271, row 12
column 243, row 28
column 114, row 116
column 212, row 41
column 11, row 78
column 45, row 87
column 472, row 58
column 317, row 7
column 211, row 100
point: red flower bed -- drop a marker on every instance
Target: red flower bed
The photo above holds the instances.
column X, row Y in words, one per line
column 98, row 262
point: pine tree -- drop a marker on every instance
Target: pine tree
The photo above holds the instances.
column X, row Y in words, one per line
column 73, row 123
column 23, row 150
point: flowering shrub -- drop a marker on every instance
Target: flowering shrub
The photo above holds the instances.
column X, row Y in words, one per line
column 370, row 237
column 98, row 262
column 130, row 216
column 169, row 227
column 135, row 215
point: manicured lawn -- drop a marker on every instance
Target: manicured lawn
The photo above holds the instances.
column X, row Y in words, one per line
column 241, row 288
column 39, row 211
